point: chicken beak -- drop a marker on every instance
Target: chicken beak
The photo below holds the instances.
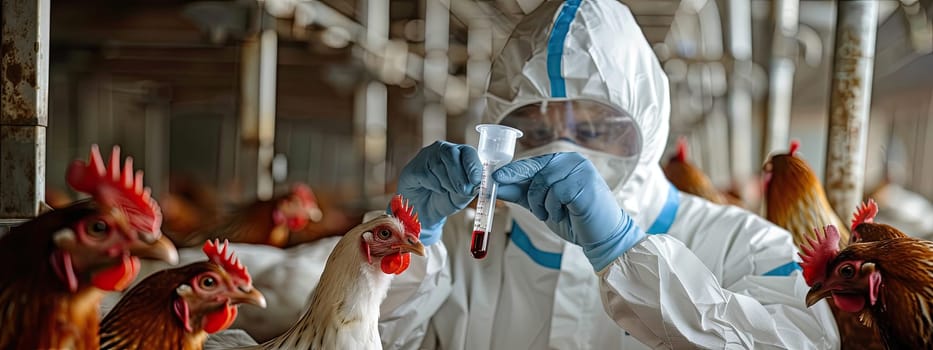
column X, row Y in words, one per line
column 414, row 245
column 161, row 249
column 248, row 295
column 817, row 293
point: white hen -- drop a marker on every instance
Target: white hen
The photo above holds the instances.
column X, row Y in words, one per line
column 344, row 308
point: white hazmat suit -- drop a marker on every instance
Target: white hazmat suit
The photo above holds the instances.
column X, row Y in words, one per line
column 706, row 276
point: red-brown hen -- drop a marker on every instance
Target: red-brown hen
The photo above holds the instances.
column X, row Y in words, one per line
column 887, row 283
column 57, row 266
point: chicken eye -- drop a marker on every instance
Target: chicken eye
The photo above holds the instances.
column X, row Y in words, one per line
column 384, row 234
column 208, row 282
column 97, row 229
column 847, row 271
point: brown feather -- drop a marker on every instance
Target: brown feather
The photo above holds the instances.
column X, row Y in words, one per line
column 250, row 224
column 689, row 179
column 878, row 232
column 903, row 312
column 38, row 311
column 795, row 200
column 149, row 306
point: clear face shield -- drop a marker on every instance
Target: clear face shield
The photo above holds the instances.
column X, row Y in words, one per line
column 608, row 137
column 587, row 123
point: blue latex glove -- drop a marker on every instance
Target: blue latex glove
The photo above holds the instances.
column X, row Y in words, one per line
column 441, row 180
column 566, row 192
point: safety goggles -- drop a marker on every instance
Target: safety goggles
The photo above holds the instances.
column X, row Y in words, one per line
column 588, row 123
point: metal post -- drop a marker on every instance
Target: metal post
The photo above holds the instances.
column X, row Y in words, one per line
column 268, row 64
column 436, row 37
column 850, row 103
column 24, row 117
column 371, row 107
column 247, row 154
column 740, row 99
column 479, row 49
column 784, row 16
column 258, row 65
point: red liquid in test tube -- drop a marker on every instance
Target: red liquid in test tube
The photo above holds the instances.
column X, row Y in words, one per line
column 479, row 244
column 496, row 147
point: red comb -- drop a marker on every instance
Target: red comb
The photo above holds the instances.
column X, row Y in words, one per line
column 217, row 253
column 303, row 192
column 817, row 253
column 120, row 188
column 794, row 146
column 865, row 213
column 681, row 149
column 403, row 211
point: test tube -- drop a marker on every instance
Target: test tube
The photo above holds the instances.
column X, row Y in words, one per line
column 496, row 147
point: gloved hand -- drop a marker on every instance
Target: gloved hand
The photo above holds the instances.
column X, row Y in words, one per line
column 441, row 180
column 566, row 192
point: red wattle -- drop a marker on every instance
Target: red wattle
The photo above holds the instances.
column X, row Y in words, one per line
column 849, row 302
column 220, row 320
column 395, row 263
column 297, row 223
column 119, row 277
column 406, row 260
column 391, row 263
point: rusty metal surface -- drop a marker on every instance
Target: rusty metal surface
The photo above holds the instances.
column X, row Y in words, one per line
column 22, row 170
column 850, row 103
column 24, row 81
column 25, row 62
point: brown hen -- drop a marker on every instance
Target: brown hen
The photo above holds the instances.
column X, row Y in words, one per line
column 886, row 283
column 262, row 222
column 57, row 266
column 795, row 200
column 181, row 306
column 690, row 179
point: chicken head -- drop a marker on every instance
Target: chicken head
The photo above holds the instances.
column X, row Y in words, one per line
column 103, row 248
column 210, row 298
column 392, row 238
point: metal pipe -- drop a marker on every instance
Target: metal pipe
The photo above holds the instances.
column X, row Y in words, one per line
column 740, row 98
column 246, row 157
column 318, row 13
column 784, row 19
column 268, row 64
column 24, row 117
column 371, row 107
column 850, row 103
column 258, row 67
column 436, row 39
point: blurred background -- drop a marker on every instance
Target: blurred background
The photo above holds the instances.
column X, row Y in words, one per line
column 226, row 102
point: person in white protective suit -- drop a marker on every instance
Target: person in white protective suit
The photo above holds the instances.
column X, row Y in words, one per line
column 595, row 249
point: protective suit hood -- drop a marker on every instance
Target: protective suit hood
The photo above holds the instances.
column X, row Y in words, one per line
column 589, row 50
